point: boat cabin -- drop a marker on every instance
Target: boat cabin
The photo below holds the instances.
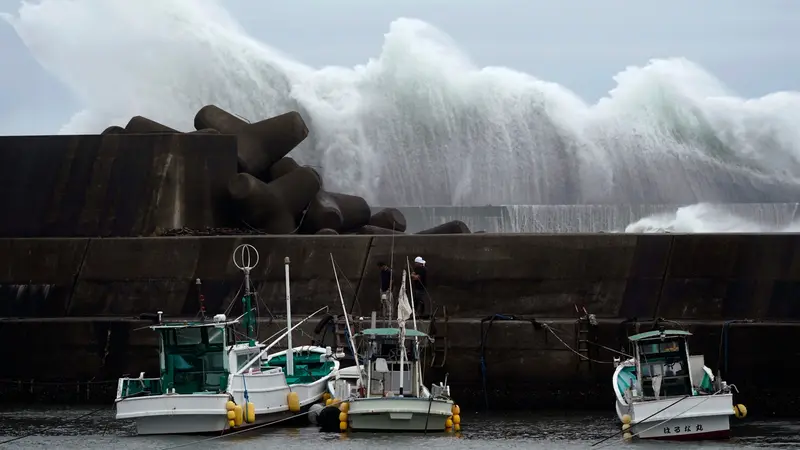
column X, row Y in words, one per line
column 664, row 365
column 382, row 360
column 196, row 357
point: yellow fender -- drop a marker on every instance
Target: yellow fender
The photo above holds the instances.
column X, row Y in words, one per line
column 293, row 401
column 238, row 417
column 251, row 412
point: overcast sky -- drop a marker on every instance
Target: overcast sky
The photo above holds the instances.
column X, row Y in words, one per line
column 751, row 45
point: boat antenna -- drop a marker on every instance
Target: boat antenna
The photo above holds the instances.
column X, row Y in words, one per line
column 245, row 262
column 201, row 299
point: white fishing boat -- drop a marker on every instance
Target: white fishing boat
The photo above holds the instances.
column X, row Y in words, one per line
column 214, row 377
column 664, row 393
column 394, row 398
column 386, row 393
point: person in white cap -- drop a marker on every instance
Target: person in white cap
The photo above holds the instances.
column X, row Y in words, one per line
column 419, row 281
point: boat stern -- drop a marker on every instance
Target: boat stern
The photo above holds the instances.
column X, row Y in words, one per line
column 698, row 417
column 175, row 413
column 412, row 414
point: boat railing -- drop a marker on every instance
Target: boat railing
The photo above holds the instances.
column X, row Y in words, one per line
column 182, row 382
column 194, row 381
column 135, row 387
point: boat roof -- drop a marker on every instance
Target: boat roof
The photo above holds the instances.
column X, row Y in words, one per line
column 191, row 324
column 384, row 332
column 657, row 334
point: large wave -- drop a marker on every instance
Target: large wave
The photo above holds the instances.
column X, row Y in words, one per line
column 421, row 124
column 708, row 218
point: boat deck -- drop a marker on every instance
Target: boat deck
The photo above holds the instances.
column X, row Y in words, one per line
column 308, row 367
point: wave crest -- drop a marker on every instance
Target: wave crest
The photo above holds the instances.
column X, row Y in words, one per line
column 421, row 124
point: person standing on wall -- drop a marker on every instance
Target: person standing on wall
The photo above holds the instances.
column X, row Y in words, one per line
column 386, row 291
column 419, row 282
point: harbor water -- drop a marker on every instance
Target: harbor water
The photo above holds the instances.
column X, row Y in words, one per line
column 65, row 429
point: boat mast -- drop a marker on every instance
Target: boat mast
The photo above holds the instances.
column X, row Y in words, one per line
column 289, row 351
column 248, row 307
column 246, row 264
column 417, row 372
column 638, row 362
column 403, row 312
column 391, row 282
column 201, row 300
column 688, row 359
column 402, row 355
column 347, row 323
column 411, row 290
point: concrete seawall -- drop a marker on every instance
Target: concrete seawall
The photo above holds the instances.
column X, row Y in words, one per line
column 113, row 185
column 708, row 277
column 82, row 295
column 581, row 218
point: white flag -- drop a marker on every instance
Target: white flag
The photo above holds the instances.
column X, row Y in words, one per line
column 403, row 306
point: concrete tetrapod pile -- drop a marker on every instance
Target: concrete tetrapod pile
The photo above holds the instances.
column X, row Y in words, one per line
column 274, row 194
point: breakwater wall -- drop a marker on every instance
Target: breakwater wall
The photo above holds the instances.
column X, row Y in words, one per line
column 704, row 277
column 71, row 304
column 114, row 185
column 147, row 179
column 584, row 218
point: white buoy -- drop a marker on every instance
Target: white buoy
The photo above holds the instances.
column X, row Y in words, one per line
column 313, row 413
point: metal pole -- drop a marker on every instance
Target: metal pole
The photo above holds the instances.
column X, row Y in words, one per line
column 289, row 351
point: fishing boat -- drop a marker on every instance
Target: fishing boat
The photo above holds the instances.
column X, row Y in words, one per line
column 386, row 393
column 663, row 392
column 215, row 377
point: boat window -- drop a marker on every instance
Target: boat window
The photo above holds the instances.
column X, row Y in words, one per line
column 183, row 362
column 189, row 336
column 242, row 359
column 194, row 359
column 214, row 361
column 660, row 347
column 669, row 347
column 388, row 349
column 216, row 336
column 668, row 360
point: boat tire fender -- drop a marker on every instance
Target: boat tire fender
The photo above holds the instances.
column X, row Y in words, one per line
column 328, row 419
column 323, row 323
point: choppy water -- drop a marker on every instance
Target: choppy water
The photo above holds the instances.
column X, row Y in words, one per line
column 59, row 429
